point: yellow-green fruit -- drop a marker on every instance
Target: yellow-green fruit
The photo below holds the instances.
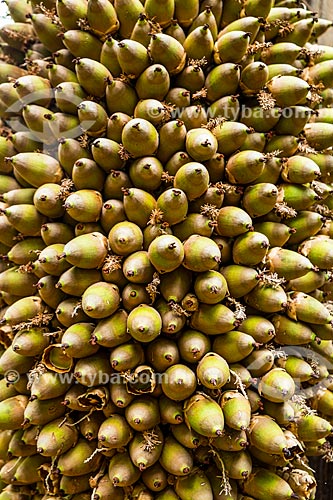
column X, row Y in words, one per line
column 213, row 371
column 204, row 415
column 277, row 385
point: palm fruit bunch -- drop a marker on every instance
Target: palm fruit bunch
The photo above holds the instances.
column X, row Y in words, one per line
column 166, row 250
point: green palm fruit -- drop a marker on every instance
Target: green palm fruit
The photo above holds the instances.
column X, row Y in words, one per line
column 82, row 44
column 201, row 145
column 298, row 196
column 199, row 43
column 50, row 259
column 87, row 251
column 7, row 390
column 56, row 232
column 71, row 400
column 166, row 253
column 25, row 85
column 76, row 340
column 155, row 478
column 69, row 151
column 114, row 184
column 179, row 382
column 259, row 362
column 324, row 332
column 224, row 130
column 102, row 17
column 192, row 78
column 300, row 170
column 247, row 23
column 174, row 205
column 37, row 168
column 193, row 345
column 318, row 135
column 89, row 371
column 86, row 174
column 65, row 58
column 108, row 56
column 301, row 33
column 47, row 200
column 281, row 52
column 116, row 123
column 238, row 464
column 141, row 30
column 236, row 410
column 75, row 486
column 321, row 72
column 120, row 97
column 200, row 253
column 194, row 116
column 142, row 454
column 213, row 319
column 210, row 287
column 171, row 411
column 17, row 283
column 186, row 436
column 290, row 332
column 153, row 82
column 166, row 50
column 132, row 57
column 70, row 12
column 234, row 345
column 8, row 184
column 122, row 471
column 111, row 331
column 259, row 119
column 127, row 13
column 277, row 233
column 119, row 394
column 213, row 370
column 324, row 402
column 144, row 323
column 293, row 120
column 255, row 243
column 41, row 412
column 31, row 342
column 48, row 385
column 236, row 172
column 12, row 412
column 318, row 250
column 125, row 238
column 306, row 224
column 172, row 137
column 254, row 77
column 93, row 118
column 204, row 415
column 277, row 385
column 139, row 137
column 229, row 73
column 162, row 12
column 114, row 432
column 105, row 488
column 173, row 319
column 106, row 154
column 233, row 221
column 62, row 123
column 22, row 310
column 137, row 268
column 27, row 471
column 58, row 74
column 10, row 70
column 240, row 279
column 267, row 298
column 276, row 69
column 138, row 205
column 175, row 458
column 260, row 199
column 260, row 328
column 308, row 283
column 70, row 465
column 179, row 97
column 288, row 90
column 46, row 31
column 7, row 148
column 146, row 173
column 9, row 30
column 53, row 437
column 266, row 435
column 25, row 218
column 303, row 307
column 162, row 353
column 311, row 427
column 287, row 263
column 126, row 356
column 283, row 413
column 84, row 205
column 195, row 486
column 143, row 413
column 231, row 46
column 176, row 31
column 298, row 368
